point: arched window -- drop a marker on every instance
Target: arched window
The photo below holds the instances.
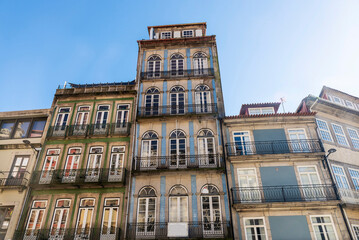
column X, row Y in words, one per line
column 200, row 64
column 178, row 205
column 149, row 150
column 177, row 65
column 178, row 149
column 146, row 211
column 203, row 99
column 206, row 148
column 211, row 210
column 154, row 66
column 177, row 100
column 152, row 101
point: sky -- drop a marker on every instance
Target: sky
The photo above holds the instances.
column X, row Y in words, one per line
column 267, row 49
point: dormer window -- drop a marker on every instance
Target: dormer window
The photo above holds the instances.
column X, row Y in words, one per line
column 187, row 33
column 166, row 35
column 257, row 111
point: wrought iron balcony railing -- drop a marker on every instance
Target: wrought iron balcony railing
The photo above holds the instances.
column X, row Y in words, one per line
column 274, row 147
column 104, row 233
column 176, row 110
column 191, row 230
column 178, row 73
column 101, row 129
column 14, row 179
column 178, row 162
column 77, row 176
column 290, row 193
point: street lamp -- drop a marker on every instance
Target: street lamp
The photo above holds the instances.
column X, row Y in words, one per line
column 325, row 160
column 330, row 151
column 28, row 143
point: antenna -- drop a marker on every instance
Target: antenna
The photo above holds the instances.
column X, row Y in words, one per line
column 65, row 84
column 282, row 100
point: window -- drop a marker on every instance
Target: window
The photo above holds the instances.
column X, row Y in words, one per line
column 177, row 65
column 18, row 171
column 349, row 104
column 324, row 130
column 355, row 177
column 62, row 118
column 36, row 216
column 200, row 64
column 264, row 110
column 166, row 35
column 122, row 115
column 149, row 150
column 336, row 99
column 102, row 116
column 177, row 100
column 94, row 164
column 72, row 164
column 340, row 177
column 211, row 210
column 339, row 134
column 206, row 148
column 354, row 136
column 152, row 101
column 59, row 220
column 109, row 218
column 248, row 185
column 323, row 228
column 255, row 229
column 242, row 143
column 146, row 212
column 187, row 33
column 82, row 115
column 84, row 218
column 203, row 99
column 116, row 164
column 22, row 128
column 37, row 128
column 154, row 66
column 356, row 231
column 298, row 140
column 5, row 217
column 178, row 204
column 50, row 163
column 309, row 178
column 6, row 128
column 178, row 149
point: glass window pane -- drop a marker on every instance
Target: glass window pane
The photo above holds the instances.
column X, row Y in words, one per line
column 6, row 128
column 37, row 128
column 21, row 129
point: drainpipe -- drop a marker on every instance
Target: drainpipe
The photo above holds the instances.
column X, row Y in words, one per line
column 226, row 174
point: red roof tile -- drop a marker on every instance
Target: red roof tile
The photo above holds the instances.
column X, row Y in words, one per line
column 271, row 115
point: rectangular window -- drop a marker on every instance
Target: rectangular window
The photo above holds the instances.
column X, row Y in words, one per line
column 72, row 164
column 354, row 136
column 36, row 216
column 356, row 231
column 242, row 143
column 5, row 217
column 354, row 174
column 323, row 228
column 94, row 164
column 59, row 220
column 82, row 117
column 37, row 128
column 109, row 218
column 324, row 130
column 122, row 115
column 298, row 141
column 50, row 164
column 18, row 171
column 349, row 104
column 84, row 218
column 166, row 35
column 335, row 99
column 339, row 134
column 187, row 33
column 116, row 164
column 255, row 229
column 6, row 129
column 22, row 128
column 256, row 111
column 340, row 177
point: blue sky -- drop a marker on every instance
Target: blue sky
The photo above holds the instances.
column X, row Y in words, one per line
column 267, row 49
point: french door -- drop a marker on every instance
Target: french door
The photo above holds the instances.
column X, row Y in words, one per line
column 177, row 103
column 102, row 116
column 152, row 104
column 211, row 215
column 298, row 140
column 18, row 170
column 310, row 180
column 177, row 66
column 146, row 216
column 109, row 219
column 72, row 165
column 59, row 220
column 50, row 164
column 242, row 143
column 154, row 68
column 84, row 219
column 94, row 164
column 200, row 66
column 149, row 154
column 116, row 164
column 248, row 184
column 122, row 116
column 62, row 118
column 178, row 153
column 206, row 151
column 203, row 101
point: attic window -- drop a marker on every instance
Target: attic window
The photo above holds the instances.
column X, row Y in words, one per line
column 166, row 35
column 265, row 110
column 187, row 33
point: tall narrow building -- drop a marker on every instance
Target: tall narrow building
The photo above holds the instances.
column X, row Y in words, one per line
column 178, row 184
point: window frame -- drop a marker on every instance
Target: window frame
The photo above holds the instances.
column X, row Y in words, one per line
column 320, row 129
column 314, row 224
column 356, row 232
column 102, row 115
column 253, row 226
column 122, row 110
column 356, row 178
column 355, row 144
column 307, row 173
column 29, row 128
column 340, row 135
column 261, row 110
column 38, row 209
column 210, row 196
column 103, row 214
column 146, row 223
column 79, row 212
column 82, row 118
column 178, row 204
column 341, row 179
column 183, row 33
column 57, row 117
column 53, row 215
column 166, row 32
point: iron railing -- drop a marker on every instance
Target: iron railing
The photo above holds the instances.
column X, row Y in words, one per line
column 101, row 129
column 274, row 147
column 14, row 179
column 191, row 230
column 77, row 176
column 69, row 234
column 178, row 73
column 289, row 193
column 349, row 195
column 176, row 110
column 178, row 162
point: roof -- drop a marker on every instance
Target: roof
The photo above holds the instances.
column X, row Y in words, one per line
column 335, row 90
column 244, row 107
column 271, row 115
column 73, row 85
column 177, row 25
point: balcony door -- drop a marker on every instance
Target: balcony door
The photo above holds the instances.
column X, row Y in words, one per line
column 310, row 181
column 94, row 164
column 62, row 118
column 177, row 100
column 82, row 117
column 72, row 165
column 50, row 165
column 149, row 150
column 18, row 171
column 242, row 144
column 203, row 99
column 248, row 186
column 102, row 117
column 298, row 140
column 152, row 102
column 206, row 148
column 122, row 115
column 178, row 149
column 200, row 64
column 177, row 65
column 109, row 218
column 178, row 212
column 211, row 211
column 36, row 217
column 116, row 164
column 146, row 212
column 59, row 220
column 84, row 218
column 154, row 67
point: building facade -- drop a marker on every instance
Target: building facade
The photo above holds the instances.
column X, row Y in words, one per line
column 21, row 138
column 337, row 121
column 79, row 183
column 178, row 180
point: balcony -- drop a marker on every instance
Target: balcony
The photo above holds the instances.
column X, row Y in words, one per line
column 177, row 162
column 274, row 147
column 85, row 130
column 76, row 177
column 14, row 179
column 175, row 110
column 177, row 74
column 191, row 230
column 69, row 234
column 349, row 196
column 290, row 193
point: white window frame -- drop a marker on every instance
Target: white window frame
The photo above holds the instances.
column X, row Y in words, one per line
column 57, row 234
column 82, row 112
column 321, row 224
column 78, row 216
column 92, row 172
column 123, row 110
column 340, row 134
column 183, row 33
column 355, row 179
column 37, row 212
column 146, row 198
column 261, row 110
column 308, row 173
column 355, row 141
column 349, row 104
column 178, row 203
column 71, row 172
column 247, row 148
column 356, row 230
column 48, row 170
column 205, row 158
column 177, row 157
column 62, row 119
column 212, row 222
column 166, row 37
column 249, row 196
column 115, row 173
column 103, row 114
column 117, row 207
column 254, row 226
column 341, row 177
column 327, row 131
